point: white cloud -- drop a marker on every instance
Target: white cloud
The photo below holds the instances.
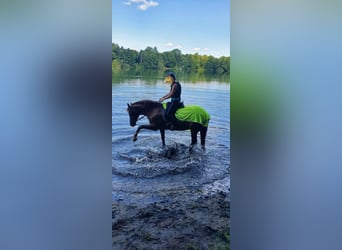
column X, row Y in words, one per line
column 171, row 45
column 142, row 4
column 197, row 49
column 206, row 49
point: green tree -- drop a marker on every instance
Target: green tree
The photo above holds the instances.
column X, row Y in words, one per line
column 150, row 59
column 115, row 51
column 116, row 66
column 223, row 65
column 211, row 65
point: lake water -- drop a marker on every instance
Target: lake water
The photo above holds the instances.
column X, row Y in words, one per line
column 144, row 171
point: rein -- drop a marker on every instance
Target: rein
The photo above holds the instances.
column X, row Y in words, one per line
column 141, row 118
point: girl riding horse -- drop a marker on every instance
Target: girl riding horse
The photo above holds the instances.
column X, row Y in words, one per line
column 190, row 117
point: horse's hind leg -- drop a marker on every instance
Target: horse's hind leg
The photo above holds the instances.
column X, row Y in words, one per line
column 203, row 136
column 194, row 132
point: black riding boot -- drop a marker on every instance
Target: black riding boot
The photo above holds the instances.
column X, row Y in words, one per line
column 170, row 123
column 173, row 121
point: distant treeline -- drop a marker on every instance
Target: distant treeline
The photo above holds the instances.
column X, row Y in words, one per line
column 149, row 59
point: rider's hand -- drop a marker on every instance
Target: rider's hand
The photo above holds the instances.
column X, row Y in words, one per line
column 161, row 100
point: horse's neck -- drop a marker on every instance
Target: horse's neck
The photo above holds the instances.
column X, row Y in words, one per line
column 145, row 108
column 142, row 108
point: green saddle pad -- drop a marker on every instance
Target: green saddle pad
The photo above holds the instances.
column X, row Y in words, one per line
column 192, row 113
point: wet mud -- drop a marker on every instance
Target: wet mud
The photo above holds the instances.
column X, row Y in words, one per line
column 170, row 197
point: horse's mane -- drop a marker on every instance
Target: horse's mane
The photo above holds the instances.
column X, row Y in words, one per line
column 147, row 103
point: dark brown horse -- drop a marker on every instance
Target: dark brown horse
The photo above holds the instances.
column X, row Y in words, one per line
column 154, row 112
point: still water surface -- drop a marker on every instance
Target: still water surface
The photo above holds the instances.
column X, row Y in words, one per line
column 145, row 170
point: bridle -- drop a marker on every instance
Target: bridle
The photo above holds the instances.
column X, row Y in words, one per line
column 129, row 106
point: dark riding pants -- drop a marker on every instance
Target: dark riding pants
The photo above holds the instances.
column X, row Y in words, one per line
column 171, row 110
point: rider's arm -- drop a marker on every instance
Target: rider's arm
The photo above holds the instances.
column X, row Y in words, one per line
column 168, row 95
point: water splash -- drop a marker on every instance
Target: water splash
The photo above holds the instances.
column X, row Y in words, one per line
column 149, row 162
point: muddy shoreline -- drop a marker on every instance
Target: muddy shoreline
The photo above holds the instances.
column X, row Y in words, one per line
column 190, row 217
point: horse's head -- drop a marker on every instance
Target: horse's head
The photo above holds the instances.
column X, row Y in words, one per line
column 133, row 115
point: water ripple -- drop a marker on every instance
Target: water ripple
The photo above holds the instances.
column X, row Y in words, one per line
column 144, row 167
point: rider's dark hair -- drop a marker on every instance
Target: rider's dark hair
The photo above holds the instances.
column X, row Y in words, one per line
column 172, row 75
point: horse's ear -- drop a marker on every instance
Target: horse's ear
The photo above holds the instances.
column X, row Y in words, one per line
column 128, row 105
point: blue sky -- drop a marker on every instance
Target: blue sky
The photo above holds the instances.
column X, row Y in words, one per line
column 201, row 26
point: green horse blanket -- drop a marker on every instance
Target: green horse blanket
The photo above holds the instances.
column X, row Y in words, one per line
column 192, row 114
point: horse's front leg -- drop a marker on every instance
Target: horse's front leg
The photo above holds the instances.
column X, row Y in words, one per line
column 149, row 126
column 162, row 134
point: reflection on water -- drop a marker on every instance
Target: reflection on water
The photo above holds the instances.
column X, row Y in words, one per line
column 154, row 78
